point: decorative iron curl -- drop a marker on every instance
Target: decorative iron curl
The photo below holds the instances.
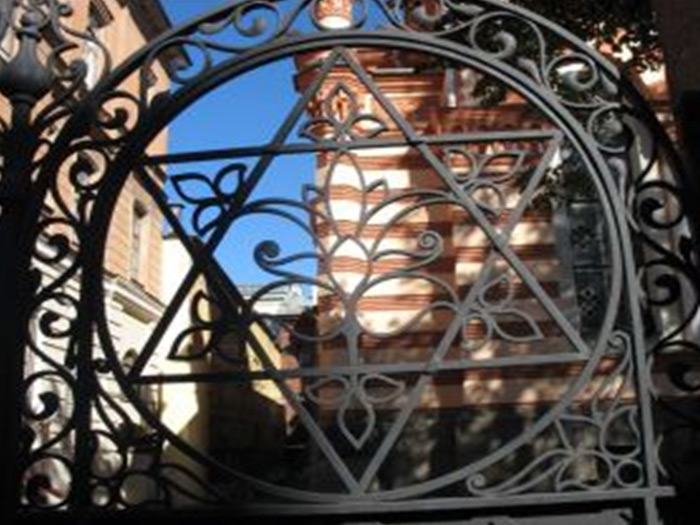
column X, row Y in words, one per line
column 506, row 32
column 556, row 468
column 46, row 454
column 48, row 458
column 46, row 481
column 67, row 70
column 661, row 215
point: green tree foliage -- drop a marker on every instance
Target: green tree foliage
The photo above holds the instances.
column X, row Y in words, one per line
column 615, row 24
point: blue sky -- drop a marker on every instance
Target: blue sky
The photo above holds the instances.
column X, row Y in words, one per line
column 181, row 10
column 246, row 111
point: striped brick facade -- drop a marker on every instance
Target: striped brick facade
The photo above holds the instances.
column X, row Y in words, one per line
column 420, row 95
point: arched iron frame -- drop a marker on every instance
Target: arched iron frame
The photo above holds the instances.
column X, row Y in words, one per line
column 119, row 124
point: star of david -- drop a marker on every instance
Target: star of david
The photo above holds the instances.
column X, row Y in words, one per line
column 205, row 264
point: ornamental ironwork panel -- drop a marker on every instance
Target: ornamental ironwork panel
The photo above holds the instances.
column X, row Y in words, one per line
column 476, row 278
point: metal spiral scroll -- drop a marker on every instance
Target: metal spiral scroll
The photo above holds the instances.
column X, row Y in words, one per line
column 101, row 140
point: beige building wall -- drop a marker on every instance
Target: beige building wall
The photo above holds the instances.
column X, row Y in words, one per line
column 124, row 34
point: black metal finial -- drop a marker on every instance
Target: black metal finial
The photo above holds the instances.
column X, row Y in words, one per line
column 25, row 79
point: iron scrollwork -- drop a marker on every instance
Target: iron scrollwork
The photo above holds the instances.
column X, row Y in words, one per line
column 598, row 434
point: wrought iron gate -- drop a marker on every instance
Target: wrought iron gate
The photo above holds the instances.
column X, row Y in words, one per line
column 497, row 307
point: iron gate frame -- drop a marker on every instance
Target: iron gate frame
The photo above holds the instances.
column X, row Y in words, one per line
column 26, row 181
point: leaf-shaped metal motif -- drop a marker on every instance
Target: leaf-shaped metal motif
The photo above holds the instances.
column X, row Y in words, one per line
column 209, row 198
column 206, row 316
column 393, row 388
column 183, row 348
column 624, row 420
column 533, row 332
column 318, row 129
column 357, row 441
column 194, row 188
column 204, row 308
column 198, row 190
column 341, row 119
column 367, row 127
column 498, row 293
column 463, row 163
column 345, row 394
column 206, row 218
column 227, row 342
column 345, row 175
column 340, row 105
column 487, row 196
column 234, row 173
column 338, row 386
column 503, row 166
column 531, row 67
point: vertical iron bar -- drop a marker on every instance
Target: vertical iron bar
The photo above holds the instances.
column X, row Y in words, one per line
column 16, row 290
column 85, row 388
column 23, row 81
column 689, row 109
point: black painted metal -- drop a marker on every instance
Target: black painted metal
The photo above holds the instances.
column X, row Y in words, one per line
column 643, row 338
